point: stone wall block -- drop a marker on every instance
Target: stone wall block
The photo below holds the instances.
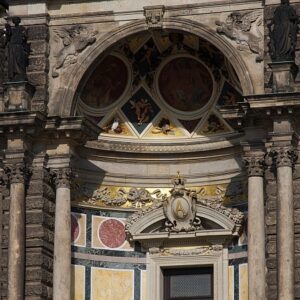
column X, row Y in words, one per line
column 38, row 32
column 38, row 78
column 297, row 216
column 271, row 189
column 39, row 47
column 271, row 262
column 271, row 230
column 38, row 63
column 271, row 219
column 272, row 278
column 271, row 247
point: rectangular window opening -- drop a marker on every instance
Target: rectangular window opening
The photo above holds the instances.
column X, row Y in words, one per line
column 188, row 283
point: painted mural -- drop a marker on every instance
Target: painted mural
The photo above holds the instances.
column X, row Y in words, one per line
column 106, row 84
column 185, row 84
column 180, row 76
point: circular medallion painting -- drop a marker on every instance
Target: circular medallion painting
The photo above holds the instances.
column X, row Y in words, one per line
column 185, row 84
column 106, row 84
column 112, row 233
column 74, row 228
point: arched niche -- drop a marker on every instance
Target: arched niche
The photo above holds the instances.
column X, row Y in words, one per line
column 64, row 98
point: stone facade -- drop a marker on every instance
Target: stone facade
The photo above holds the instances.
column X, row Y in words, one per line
column 120, row 97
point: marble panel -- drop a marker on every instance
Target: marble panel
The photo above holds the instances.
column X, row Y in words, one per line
column 109, row 233
column 230, row 283
column 144, row 285
column 78, row 282
column 108, row 284
column 78, row 223
column 243, row 281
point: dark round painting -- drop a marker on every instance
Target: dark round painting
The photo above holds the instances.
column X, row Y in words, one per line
column 185, row 84
column 106, row 84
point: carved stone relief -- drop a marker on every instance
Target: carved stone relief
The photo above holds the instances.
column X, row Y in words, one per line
column 154, row 16
column 72, row 41
column 180, row 208
column 243, row 28
column 201, row 250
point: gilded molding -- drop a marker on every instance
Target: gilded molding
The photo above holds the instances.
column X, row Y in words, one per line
column 255, row 166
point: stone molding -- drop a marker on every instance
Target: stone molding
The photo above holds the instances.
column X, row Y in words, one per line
column 255, row 166
column 284, row 157
column 62, row 177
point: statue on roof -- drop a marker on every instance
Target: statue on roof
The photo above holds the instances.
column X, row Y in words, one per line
column 17, row 50
column 3, row 6
column 283, row 32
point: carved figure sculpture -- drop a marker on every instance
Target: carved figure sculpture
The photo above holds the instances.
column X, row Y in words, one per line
column 283, row 32
column 75, row 40
column 17, row 50
column 238, row 27
column 3, row 6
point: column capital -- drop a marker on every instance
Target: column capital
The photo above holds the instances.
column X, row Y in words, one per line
column 284, row 156
column 62, row 177
column 17, row 172
column 255, row 165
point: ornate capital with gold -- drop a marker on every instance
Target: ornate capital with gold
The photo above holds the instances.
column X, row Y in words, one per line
column 255, row 165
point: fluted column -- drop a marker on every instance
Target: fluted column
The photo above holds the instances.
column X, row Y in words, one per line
column 62, row 237
column 285, row 158
column 16, row 251
column 256, row 228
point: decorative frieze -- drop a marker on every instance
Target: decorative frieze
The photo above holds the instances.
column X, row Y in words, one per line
column 201, row 250
column 255, row 166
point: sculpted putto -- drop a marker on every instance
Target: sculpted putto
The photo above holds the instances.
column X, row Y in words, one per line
column 75, row 40
column 243, row 28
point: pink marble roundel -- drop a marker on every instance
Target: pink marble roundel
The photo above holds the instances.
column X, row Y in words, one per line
column 112, row 233
column 74, row 228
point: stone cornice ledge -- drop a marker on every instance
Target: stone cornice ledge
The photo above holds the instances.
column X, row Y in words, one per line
column 170, row 147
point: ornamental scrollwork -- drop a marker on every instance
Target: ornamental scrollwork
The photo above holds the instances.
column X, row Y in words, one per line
column 243, row 28
column 136, row 197
column 255, row 166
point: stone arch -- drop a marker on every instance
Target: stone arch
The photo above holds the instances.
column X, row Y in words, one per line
column 66, row 95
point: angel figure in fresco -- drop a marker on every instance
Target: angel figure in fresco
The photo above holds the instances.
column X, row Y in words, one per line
column 213, row 125
column 114, row 127
column 142, row 109
column 75, row 40
column 164, row 127
column 229, row 98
